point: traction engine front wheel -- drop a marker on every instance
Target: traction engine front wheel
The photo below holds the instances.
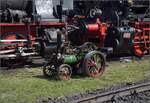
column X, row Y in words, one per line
column 49, row 70
column 64, row 72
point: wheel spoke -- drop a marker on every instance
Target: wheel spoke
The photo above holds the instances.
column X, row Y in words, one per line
column 94, row 58
column 48, row 70
column 98, row 59
column 94, row 71
column 91, row 63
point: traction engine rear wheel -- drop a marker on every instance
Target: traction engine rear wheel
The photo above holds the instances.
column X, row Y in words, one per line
column 94, row 64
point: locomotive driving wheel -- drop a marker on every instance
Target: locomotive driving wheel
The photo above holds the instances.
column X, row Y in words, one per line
column 49, row 70
column 94, row 64
column 64, row 72
column 9, row 39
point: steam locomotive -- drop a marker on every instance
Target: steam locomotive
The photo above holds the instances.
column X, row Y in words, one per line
column 123, row 25
column 21, row 24
column 72, row 35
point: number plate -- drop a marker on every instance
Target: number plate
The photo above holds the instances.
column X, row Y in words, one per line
column 126, row 35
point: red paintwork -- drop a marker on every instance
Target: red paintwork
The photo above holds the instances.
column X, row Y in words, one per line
column 24, row 29
column 93, row 27
column 12, row 37
column 98, row 29
column 142, row 38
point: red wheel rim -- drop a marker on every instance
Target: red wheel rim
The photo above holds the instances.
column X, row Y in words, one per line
column 64, row 72
column 94, row 65
column 12, row 37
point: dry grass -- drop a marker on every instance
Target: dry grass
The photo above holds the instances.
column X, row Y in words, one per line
column 26, row 86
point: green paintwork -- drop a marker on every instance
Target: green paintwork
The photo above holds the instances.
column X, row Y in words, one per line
column 71, row 59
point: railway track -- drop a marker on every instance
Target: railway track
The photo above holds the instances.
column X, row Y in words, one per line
column 106, row 96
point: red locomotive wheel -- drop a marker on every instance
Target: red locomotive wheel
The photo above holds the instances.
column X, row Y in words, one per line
column 94, row 64
column 9, row 39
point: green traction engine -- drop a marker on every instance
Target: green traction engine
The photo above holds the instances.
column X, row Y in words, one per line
column 63, row 59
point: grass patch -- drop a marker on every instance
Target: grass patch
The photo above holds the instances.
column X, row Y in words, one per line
column 26, row 86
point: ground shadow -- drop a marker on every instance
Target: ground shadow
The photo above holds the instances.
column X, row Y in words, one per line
column 54, row 78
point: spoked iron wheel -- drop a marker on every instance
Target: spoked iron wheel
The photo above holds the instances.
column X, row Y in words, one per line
column 49, row 70
column 64, row 72
column 90, row 46
column 94, row 64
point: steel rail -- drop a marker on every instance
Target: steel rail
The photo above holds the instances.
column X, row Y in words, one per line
column 14, row 55
column 106, row 96
column 21, row 40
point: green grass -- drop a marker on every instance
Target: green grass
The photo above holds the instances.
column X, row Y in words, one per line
column 26, row 86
